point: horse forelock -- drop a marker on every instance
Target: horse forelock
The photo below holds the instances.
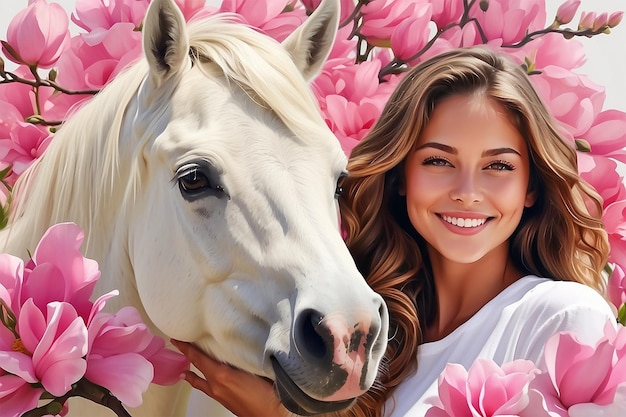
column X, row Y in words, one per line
column 261, row 67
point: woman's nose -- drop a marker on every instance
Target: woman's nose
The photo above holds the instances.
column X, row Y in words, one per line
column 466, row 189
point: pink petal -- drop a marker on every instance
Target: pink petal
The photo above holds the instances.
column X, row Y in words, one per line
column 127, row 376
column 19, row 364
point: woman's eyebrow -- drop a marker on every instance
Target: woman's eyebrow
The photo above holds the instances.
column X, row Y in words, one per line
column 454, row 151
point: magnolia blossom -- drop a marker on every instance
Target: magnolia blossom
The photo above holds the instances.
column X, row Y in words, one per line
column 485, row 390
column 616, row 289
column 574, row 380
column 412, row 34
column 346, row 7
column 370, row 55
column 380, row 18
column 98, row 16
column 573, row 99
column 271, row 17
column 20, row 142
column 37, row 35
column 578, row 376
column 350, row 102
column 52, row 335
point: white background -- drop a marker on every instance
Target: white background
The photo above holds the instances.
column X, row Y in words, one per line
column 606, row 54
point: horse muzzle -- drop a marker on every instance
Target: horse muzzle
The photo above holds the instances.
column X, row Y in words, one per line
column 332, row 361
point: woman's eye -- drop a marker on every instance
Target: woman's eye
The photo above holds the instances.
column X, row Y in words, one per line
column 436, row 161
column 501, row 166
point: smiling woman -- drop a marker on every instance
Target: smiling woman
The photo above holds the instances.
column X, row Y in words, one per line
column 470, row 218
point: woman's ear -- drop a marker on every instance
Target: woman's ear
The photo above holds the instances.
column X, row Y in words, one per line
column 531, row 198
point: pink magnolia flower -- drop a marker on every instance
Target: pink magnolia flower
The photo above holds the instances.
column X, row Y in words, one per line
column 59, row 336
column 607, row 135
column 37, row 35
column 55, row 343
column 58, row 271
column 270, row 16
column 485, row 390
column 510, row 20
column 190, row 7
column 102, row 15
column 412, row 35
column 602, row 173
column 548, row 51
column 96, row 57
column 20, row 142
column 578, row 375
column 343, row 50
column 351, row 99
column 380, row 18
column 573, row 99
column 125, row 357
column 16, row 394
column 446, row 12
column 346, row 7
column 616, row 287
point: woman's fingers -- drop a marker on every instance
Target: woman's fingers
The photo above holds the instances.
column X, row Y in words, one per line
column 242, row 393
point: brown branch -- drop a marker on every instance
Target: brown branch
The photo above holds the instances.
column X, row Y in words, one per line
column 84, row 389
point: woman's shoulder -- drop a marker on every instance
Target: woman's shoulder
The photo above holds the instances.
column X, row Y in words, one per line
column 554, row 306
column 558, row 295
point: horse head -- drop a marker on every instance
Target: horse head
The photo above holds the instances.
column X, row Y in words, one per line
column 206, row 180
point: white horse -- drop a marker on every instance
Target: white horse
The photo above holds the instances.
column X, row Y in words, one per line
column 205, row 180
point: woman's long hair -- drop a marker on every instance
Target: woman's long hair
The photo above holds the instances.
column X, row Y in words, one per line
column 561, row 236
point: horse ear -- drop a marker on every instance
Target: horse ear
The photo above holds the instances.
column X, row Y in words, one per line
column 165, row 40
column 311, row 43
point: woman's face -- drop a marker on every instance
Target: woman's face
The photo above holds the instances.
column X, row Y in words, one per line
column 466, row 180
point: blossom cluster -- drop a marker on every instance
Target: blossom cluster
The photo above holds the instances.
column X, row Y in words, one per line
column 574, row 380
column 378, row 41
column 55, row 343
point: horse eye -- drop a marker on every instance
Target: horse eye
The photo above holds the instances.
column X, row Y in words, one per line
column 339, row 188
column 194, row 182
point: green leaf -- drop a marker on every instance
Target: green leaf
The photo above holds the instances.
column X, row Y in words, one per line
column 582, row 145
column 5, row 172
column 621, row 315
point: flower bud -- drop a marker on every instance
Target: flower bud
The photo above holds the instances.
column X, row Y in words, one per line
column 566, row 12
column 52, row 75
column 586, row 20
column 600, row 22
column 615, row 18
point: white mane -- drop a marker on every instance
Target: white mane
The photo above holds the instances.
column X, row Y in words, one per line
column 88, row 158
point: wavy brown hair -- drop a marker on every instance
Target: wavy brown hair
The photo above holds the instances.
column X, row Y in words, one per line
column 561, row 236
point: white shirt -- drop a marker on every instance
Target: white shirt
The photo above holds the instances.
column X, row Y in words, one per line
column 514, row 325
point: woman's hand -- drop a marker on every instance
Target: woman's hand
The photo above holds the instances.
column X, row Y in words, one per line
column 242, row 393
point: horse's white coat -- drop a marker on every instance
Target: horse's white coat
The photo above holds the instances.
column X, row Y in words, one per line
column 231, row 268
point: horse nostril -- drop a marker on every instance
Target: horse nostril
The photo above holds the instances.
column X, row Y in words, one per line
column 312, row 337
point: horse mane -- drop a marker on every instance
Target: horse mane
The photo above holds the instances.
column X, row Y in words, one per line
column 79, row 178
